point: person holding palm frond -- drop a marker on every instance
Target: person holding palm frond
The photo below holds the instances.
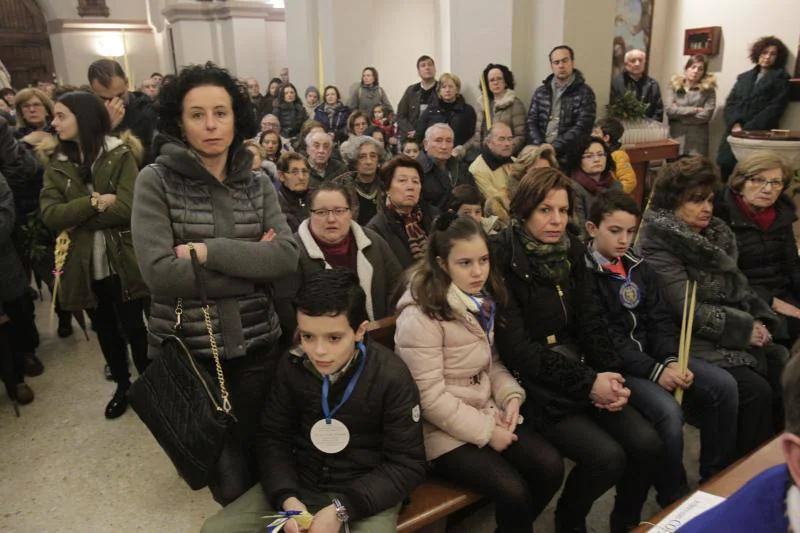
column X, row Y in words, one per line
column 88, row 193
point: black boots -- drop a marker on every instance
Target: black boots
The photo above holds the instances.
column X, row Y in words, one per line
column 119, row 402
column 31, row 365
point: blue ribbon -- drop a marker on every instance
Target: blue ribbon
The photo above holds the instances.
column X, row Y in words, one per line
column 487, row 323
column 326, row 387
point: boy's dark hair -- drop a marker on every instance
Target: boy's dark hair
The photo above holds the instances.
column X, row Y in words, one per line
column 465, row 194
column 333, row 292
column 610, row 201
column 425, row 58
column 154, row 74
column 103, row 70
column 613, row 128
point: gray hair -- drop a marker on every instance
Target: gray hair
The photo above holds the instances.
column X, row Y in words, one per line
column 490, row 133
column 443, row 125
column 352, row 147
column 310, row 137
column 629, row 54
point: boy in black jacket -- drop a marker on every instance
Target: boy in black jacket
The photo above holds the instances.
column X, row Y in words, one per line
column 340, row 433
column 645, row 335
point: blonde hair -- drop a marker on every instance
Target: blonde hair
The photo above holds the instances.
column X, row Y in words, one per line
column 452, row 78
column 755, row 164
column 260, row 150
column 26, row 94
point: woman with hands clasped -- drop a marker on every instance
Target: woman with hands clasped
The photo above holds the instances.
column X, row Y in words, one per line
column 554, row 338
column 470, row 402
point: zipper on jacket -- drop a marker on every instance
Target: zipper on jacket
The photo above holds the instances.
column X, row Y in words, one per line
column 561, row 299
column 639, row 344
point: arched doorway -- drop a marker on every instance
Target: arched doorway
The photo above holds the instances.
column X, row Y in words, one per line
column 24, row 42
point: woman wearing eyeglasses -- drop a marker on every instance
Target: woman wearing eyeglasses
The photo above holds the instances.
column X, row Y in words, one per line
column 34, row 114
column 591, row 170
column 761, row 217
column 293, row 195
column 331, row 238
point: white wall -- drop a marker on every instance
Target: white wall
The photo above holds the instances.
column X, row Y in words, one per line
column 742, row 23
column 73, row 52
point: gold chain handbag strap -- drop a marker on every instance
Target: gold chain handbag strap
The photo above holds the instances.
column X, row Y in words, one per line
column 206, row 307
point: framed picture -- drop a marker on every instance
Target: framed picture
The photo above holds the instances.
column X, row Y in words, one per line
column 633, row 24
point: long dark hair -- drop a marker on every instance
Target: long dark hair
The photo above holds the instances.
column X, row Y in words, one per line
column 171, row 95
column 93, row 126
column 429, row 282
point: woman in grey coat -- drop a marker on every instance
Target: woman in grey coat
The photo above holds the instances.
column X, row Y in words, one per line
column 369, row 94
column 202, row 192
column 683, row 241
column 691, row 104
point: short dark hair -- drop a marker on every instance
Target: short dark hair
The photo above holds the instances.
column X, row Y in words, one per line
column 465, row 194
column 341, row 185
column 333, row 292
column 93, row 126
column 103, row 70
column 613, row 128
column 424, row 58
column 388, row 169
column 681, row 177
column 791, row 395
column 172, row 94
column 287, row 158
column 508, row 76
column 761, row 44
column 562, row 47
column 156, row 74
column 534, row 187
column 610, row 201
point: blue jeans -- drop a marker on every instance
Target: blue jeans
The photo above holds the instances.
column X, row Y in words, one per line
column 711, row 404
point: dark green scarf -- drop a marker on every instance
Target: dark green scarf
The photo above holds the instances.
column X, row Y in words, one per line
column 548, row 262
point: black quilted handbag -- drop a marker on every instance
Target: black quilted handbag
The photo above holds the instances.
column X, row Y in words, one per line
column 180, row 403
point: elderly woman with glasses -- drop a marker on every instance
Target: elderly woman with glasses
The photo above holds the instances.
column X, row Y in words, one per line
column 331, row 238
column 761, row 217
column 34, row 114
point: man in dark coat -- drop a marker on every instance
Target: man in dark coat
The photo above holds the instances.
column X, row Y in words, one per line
column 416, row 98
column 441, row 171
column 341, row 437
column 563, row 108
column 128, row 110
column 633, row 78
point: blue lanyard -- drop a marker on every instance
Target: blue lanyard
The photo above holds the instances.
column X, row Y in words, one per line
column 487, row 323
column 326, row 387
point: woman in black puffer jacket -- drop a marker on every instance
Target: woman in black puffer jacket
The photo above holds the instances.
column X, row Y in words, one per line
column 761, row 217
column 290, row 111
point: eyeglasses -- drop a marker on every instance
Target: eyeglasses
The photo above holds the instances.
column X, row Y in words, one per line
column 338, row 212
column 596, row 155
column 761, row 183
column 298, row 172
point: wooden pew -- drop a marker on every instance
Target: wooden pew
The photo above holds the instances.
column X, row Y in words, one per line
column 433, row 501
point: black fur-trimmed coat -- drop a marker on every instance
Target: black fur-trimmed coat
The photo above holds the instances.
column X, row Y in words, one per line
column 726, row 304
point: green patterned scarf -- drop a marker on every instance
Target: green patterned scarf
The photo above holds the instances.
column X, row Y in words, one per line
column 548, row 261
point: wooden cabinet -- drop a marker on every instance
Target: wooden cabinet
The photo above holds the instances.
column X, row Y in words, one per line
column 702, row 41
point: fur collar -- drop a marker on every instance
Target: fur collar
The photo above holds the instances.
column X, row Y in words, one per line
column 708, row 82
column 460, row 304
column 507, row 100
column 46, row 149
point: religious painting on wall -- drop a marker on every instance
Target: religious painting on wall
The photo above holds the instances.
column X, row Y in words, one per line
column 633, row 23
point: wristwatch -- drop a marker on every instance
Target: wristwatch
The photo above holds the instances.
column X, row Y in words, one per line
column 341, row 511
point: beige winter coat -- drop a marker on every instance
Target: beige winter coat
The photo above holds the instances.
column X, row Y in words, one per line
column 461, row 381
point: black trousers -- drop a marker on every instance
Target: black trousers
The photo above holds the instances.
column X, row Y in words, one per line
column 247, row 380
column 621, row 449
column 114, row 318
column 520, row 481
column 18, row 337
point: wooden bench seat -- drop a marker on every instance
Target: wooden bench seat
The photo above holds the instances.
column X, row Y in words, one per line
column 431, row 503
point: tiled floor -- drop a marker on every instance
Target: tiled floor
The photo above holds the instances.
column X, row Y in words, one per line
column 65, row 468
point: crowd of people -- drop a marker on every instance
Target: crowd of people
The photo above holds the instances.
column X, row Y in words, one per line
column 530, row 327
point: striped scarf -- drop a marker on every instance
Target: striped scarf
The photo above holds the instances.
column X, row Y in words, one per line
column 412, row 224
